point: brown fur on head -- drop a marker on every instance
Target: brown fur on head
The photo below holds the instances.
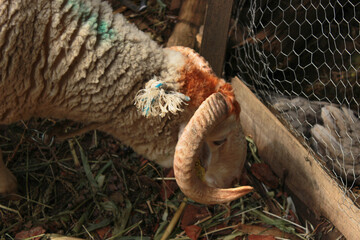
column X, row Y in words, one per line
column 198, row 81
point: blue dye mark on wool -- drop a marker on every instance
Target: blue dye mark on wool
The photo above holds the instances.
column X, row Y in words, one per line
column 159, row 85
column 102, row 28
column 79, row 7
column 104, row 31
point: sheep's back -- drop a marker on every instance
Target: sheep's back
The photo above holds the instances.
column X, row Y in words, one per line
column 70, row 59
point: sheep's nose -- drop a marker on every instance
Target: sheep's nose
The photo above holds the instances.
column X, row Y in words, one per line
column 211, row 180
column 217, row 180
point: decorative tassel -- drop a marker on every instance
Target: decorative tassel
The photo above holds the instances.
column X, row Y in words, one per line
column 156, row 100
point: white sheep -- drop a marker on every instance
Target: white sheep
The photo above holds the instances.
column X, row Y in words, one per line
column 75, row 59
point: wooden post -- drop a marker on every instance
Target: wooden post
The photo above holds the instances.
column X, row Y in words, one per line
column 191, row 17
column 217, row 21
column 288, row 158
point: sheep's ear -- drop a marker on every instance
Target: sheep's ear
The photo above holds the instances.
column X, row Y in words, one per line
column 157, row 99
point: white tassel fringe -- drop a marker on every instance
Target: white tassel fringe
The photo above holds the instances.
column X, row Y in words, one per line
column 155, row 100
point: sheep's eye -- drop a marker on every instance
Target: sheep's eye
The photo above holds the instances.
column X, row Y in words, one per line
column 218, row 143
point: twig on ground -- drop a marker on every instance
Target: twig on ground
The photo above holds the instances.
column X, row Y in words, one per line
column 174, row 220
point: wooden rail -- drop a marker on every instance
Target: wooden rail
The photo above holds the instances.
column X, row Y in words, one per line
column 191, row 17
column 213, row 45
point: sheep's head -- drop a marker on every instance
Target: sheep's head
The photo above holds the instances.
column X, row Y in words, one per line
column 213, row 135
column 224, row 153
column 227, row 158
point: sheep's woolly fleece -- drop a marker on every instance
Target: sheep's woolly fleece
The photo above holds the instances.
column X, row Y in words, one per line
column 76, row 60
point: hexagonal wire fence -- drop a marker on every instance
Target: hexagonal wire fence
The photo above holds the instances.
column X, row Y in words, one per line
column 302, row 57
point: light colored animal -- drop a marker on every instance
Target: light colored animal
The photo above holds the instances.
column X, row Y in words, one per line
column 75, row 59
column 333, row 132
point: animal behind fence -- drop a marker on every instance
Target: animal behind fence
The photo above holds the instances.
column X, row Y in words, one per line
column 303, row 59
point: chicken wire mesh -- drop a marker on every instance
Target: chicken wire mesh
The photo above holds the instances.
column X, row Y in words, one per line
column 302, row 57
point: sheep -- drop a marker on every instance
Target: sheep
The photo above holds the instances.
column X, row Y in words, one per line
column 76, row 60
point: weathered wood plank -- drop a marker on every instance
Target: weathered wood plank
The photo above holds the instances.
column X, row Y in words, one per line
column 217, row 21
column 288, row 157
column 191, row 17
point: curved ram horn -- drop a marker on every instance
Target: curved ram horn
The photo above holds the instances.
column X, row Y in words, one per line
column 212, row 111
